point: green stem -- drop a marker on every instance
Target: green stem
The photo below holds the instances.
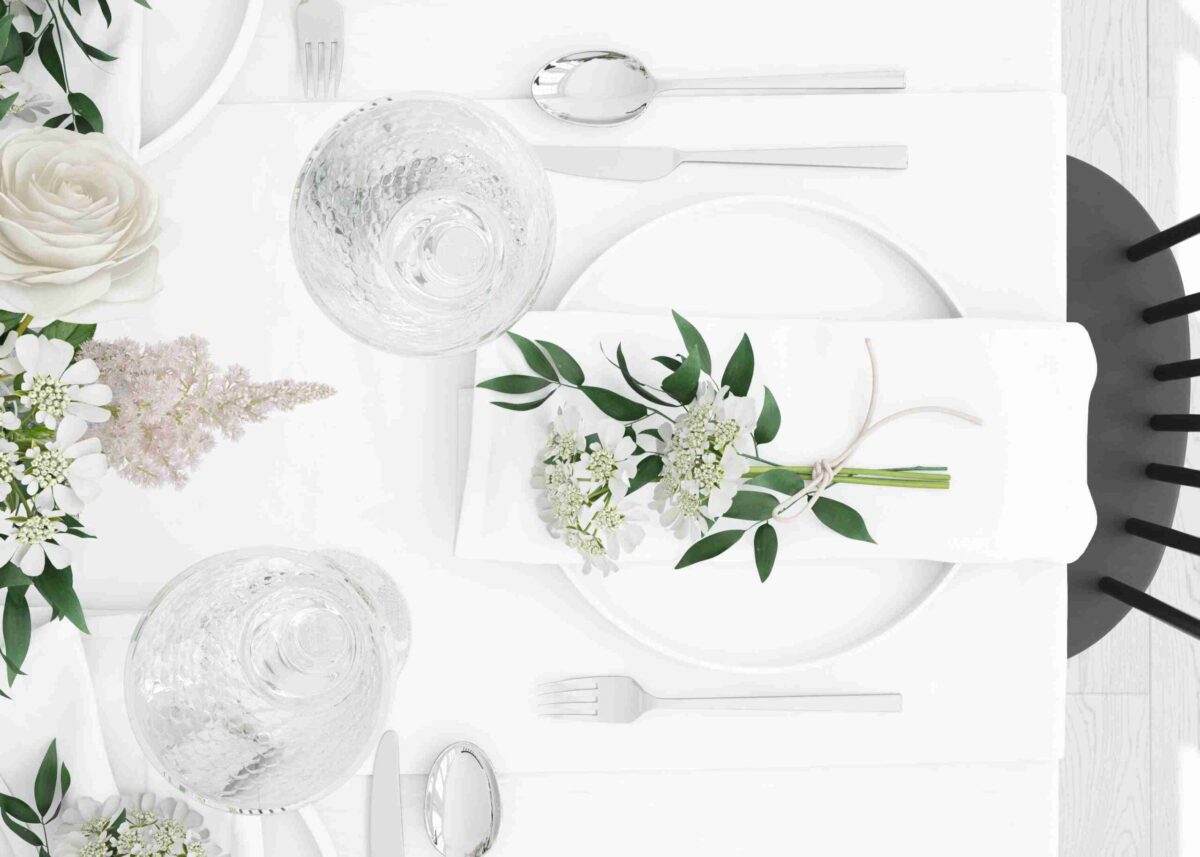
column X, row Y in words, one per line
column 884, row 476
column 23, row 324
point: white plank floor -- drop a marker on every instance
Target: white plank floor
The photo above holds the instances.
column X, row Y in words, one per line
column 1131, row 72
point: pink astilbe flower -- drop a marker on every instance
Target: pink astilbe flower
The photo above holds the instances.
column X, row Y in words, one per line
column 170, row 401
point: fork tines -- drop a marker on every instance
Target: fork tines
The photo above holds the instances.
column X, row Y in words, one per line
column 575, row 697
column 320, row 25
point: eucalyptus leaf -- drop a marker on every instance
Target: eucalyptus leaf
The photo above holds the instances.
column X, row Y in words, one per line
column 784, row 481
column 634, row 383
column 681, row 384
column 18, row 809
column 842, row 519
column 614, row 404
column 672, row 363
column 55, row 121
column 648, row 470
column 90, row 51
column 567, row 367
column 17, row 630
column 534, row 356
column 709, row 546
column 86, row 108
column 766, row 546
column 739, row 371
column 106, row 11
column 46, row 780
column 23, row 833
column 55, row 585
column 768, row 418
column 752, row 506
column 514, row 384
column 64, row 781
column 693, row 340
column 524, row 406
column 51, row 61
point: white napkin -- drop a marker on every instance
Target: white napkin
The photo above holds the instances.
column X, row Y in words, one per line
column 239, row 835
column 1019, row 481
column 53, row 701
column 115, row 87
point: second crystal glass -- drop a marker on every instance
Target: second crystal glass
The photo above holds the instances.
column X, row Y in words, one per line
column 258, row 680
column 423, row 224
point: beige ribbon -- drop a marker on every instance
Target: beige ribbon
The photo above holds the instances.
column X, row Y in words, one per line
column 824, row 470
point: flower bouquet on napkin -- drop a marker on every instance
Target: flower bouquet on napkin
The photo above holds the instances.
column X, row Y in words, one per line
column 698, row 440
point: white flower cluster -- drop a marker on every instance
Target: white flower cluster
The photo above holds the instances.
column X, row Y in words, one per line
column 48, row 469
column 583, row 490
column 702, row 469
column 168, row 829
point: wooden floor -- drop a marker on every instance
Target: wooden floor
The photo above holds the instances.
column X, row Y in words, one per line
column 1131, row 73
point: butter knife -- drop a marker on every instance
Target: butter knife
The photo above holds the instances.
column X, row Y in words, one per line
column 645, row 163
column 387, row 824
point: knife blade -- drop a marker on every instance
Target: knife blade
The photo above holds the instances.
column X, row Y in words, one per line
column 646, row 163
column 386, row 835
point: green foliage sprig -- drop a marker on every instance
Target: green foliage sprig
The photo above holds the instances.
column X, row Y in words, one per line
column 52, row 780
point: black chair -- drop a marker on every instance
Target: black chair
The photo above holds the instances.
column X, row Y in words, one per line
column 1124, row 286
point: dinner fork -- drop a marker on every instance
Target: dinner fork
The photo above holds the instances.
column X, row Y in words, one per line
column 620, row 699
column 320, row 27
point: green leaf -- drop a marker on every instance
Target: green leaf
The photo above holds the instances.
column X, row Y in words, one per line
column 51, row 61
column 648, row 470
column 752, row 506
column 739, row 371
column 17, row 629
column 143, row 3
column 6, row 105
column 46, row 780
column 56, row 587
column 116, row 823
column 75, row 5
column 6, row 31
column 106, row 11
column 18, row 809
column 534, row 356
column 81, row 125
column 681, row 384
column 766, row 546
column 514, row 384
column 524, row 406
column 89, row 51
column 24, row 833
column 709, row 546
column 76, row 334
column 55, row 121
column 10, row 319
column 64, row 781
column 671, row 363
column 842, row 519
column 694, row 341
column 564, row 362
column 87, row 108
column 633, row 383
column 784, row 481
column 768, row 419
column 11, row 575
column 614, row 404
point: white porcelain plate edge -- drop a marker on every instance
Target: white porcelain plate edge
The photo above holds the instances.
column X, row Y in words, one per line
column 217, row 87
column 582, row 295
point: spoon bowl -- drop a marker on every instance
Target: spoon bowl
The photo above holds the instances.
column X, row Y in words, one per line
column 609, row 87
column 462, row 802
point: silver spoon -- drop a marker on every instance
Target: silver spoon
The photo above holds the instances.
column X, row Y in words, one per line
column 462, row 802
column 607, row 88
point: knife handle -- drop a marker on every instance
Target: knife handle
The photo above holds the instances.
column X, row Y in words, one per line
column 862, row 157
column 816, row 81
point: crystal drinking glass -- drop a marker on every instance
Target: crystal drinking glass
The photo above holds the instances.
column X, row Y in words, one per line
column 259, row 679
column 423, row 225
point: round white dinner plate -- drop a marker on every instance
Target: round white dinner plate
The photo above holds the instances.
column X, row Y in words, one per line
column 191, row 53
column 773, row 257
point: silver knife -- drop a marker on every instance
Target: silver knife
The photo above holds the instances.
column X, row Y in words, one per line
column 645, row 163
column 387, row 823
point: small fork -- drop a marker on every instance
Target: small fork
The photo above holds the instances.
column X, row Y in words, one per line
column 620, row 699
column 320, row 28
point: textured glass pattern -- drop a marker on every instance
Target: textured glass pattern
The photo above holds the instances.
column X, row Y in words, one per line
column 258, row 679
column 423, row 225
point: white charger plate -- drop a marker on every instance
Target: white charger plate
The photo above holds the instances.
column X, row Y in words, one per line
column 766, row 257
column 191, row 53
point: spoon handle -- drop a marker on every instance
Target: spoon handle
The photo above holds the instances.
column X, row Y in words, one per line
column 881, row 702
column 881, row 78
column 863, row 157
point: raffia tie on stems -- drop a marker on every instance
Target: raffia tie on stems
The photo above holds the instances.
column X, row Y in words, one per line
column 824, row 471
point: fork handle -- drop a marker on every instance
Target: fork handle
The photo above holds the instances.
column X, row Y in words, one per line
column 864, row 157
column 885, row 702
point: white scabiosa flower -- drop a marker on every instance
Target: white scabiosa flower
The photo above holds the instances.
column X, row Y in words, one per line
column 609, row 460
column 30, row 542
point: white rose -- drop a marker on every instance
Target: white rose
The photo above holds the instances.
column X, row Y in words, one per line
column 78, row 226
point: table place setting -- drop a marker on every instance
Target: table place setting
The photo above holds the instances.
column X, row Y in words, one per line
column 456, row 463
